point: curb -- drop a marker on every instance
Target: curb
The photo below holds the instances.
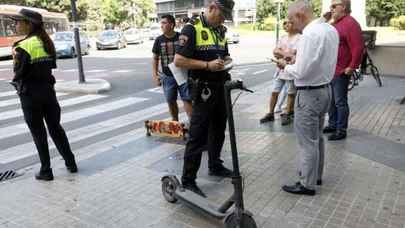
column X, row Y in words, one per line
column 91, row 86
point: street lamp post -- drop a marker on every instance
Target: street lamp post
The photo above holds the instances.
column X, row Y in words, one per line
column 77, row 41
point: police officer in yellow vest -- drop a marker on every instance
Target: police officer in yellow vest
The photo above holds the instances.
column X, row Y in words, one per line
column 203, row 50
column 34, row 58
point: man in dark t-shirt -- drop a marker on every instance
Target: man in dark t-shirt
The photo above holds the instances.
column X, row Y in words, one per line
column 163, row 51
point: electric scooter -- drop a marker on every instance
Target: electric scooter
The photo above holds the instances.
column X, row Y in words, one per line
column 232, row 218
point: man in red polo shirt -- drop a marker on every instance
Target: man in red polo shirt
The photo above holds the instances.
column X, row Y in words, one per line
column 350, row 53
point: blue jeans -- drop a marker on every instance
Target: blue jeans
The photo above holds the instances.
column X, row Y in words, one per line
column 339, row 108
column 171, row 89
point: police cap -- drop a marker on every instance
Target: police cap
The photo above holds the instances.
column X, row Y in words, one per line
column 226, row 7
column 28, row 15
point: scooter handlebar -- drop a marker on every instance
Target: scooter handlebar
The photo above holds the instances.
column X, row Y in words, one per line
column 236, row 84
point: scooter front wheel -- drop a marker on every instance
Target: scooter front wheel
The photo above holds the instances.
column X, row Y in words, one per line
column 246, row 221
column 169, row 186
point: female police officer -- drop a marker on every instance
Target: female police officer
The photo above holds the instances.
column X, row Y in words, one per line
column 34, row 58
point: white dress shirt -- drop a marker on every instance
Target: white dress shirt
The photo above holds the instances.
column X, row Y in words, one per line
column 317, row 53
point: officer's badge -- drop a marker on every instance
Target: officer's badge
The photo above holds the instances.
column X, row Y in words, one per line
column 183, row 40
column 204, row 35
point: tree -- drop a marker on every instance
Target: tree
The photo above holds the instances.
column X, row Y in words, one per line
column 266, row 8
column 61, row 6
column 383, row 10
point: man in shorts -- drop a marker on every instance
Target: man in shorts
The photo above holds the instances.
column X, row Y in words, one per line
column 163, row 51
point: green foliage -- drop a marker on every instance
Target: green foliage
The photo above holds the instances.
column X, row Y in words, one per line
column 265, row 8
column 269, row 24
column 381, row 11
column 97, row 13
column 398, row 22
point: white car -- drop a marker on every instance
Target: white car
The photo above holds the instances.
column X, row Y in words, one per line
column 133, row 36
column 232, row 36
column 154, row 32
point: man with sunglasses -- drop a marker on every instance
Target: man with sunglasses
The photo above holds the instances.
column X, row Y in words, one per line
column 350, row 53
column 203, row 50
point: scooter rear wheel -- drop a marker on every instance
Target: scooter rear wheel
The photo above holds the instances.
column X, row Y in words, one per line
column 169, row 186
column 247, row 221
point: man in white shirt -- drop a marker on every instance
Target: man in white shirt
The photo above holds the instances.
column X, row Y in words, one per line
column 313, row 71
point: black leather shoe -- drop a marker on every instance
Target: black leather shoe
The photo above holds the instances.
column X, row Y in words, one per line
column 319, row 182
column 194, row 188
column 220, row 172
column 298, row 189
column 267, row 118
column 329, row 130
column 338, row 135
column 72, row 168
column 44, row 175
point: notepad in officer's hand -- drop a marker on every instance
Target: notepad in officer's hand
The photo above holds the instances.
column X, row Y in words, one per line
column 180, row 74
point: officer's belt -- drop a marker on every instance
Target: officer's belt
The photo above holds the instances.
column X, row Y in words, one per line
column 199, row 81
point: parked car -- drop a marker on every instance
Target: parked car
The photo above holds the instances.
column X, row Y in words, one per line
column 133, row 36
column 232, row 36
column 154, row 32
column 111, row 39
column 65, row 44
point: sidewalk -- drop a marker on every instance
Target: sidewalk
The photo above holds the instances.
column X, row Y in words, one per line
column 119, row 185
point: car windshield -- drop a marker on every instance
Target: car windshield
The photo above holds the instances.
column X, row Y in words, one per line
column 63, row 36
column 109, row 34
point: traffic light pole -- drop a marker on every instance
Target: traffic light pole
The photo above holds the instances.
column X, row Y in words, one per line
column 77, row 42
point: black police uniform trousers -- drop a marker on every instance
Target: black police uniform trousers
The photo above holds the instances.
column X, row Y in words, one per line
column 207, row 127
column 39, row 103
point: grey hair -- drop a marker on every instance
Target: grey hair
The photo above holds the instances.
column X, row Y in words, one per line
column 348, row 6
column 301, row 6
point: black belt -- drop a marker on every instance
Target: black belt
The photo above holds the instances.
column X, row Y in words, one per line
column 312, row 87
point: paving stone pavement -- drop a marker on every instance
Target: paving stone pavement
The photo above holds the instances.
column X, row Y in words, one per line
column 363, row 184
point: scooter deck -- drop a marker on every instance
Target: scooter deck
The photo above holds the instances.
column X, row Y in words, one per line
column 199, row 202
column 165, row 128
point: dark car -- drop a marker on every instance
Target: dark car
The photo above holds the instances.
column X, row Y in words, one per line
column 65, row 44
column 111, row 39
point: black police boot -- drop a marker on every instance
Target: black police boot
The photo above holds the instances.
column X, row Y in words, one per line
column 71, row 167
column 44, row 175
column 194, row 188
column 220, row 171
column 298, row 189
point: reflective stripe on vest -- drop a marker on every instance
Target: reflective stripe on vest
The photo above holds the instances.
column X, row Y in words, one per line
column 207, row 39
column 35, row 48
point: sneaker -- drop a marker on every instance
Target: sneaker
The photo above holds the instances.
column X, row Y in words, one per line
column 194, row 188
column 286, row 119
column 329, row 129
column 44, row 175
column 267, row 118
column 221, row 172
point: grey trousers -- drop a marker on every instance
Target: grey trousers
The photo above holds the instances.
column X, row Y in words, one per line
column 310, row 109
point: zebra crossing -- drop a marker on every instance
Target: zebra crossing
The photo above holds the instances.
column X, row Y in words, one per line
column 107, row 115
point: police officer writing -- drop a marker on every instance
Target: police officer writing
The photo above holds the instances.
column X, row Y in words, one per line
column 34, row 58
column 203, row 50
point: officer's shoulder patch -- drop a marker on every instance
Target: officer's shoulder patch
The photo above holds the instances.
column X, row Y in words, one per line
column 183, row 39
column 204, row 35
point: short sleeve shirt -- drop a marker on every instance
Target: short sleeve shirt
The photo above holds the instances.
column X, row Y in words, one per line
column 165, row 48
column 187, row 48
column 288, row 44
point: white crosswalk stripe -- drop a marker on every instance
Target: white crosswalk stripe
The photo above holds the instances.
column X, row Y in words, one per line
column 64, row 103
column 22, row 128
column 27, row 149
column 17, row 100
column 115, row 120
column 8, row 93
